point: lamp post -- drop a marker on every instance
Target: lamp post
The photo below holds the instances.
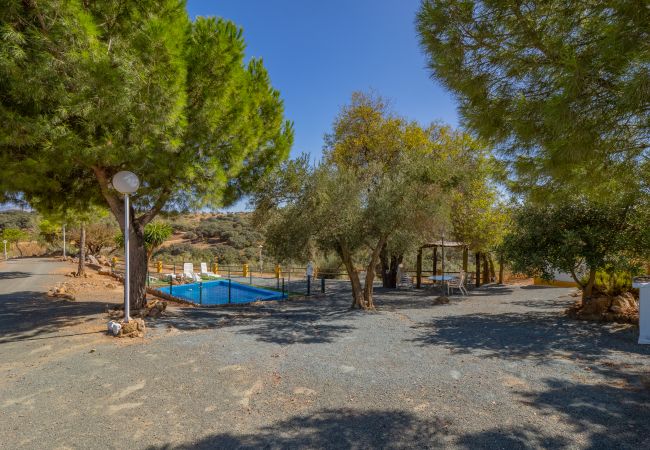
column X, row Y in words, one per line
column 64, row 240
column 5, row 244
column 126, row 183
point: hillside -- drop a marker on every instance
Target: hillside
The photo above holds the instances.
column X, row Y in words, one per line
column 228, row 237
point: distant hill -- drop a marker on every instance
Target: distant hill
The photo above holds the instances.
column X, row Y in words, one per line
column 228, row 237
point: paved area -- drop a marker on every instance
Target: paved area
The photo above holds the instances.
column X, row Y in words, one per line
column 500, row 369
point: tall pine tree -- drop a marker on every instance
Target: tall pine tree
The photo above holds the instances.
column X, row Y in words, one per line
column 91, row 88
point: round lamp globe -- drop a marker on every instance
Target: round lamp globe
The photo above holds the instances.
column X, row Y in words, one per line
column 126, row 182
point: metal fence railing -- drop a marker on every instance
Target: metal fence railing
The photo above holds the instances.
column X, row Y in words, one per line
column 227, row 284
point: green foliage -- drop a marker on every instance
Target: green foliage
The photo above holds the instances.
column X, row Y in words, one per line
column 575, row 235
column 612, row 283
column 17, row 219
column 155, row 235
column 561, row 87
column 14, row 236
column 50, row 232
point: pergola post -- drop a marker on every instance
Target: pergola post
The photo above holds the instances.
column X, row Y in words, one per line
column 418, row 276
column 465, row 259
column 435, row 261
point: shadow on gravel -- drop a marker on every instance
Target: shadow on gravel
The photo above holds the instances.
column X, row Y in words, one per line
column 13, row 275
column 491, row 290
column 27, row 315
column 313, row 321
column 511, row 438
column 537, row 334
column 333, row 428
column 614, row 414
column 317, row 320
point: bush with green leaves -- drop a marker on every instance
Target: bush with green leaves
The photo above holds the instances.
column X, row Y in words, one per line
column 14, row 236
column 573, row 236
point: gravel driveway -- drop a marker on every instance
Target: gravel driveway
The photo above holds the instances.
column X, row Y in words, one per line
column 500, row 369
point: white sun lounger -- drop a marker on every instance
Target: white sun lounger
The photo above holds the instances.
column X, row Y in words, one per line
column 188, row 272
column 206, row 272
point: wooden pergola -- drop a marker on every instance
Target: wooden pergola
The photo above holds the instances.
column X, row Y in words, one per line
column 442, row 245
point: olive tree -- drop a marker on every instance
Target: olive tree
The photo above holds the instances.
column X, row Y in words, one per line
column 331, row 208
column 575, row 236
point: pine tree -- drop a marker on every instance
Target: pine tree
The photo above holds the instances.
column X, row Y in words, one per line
column 92, row 88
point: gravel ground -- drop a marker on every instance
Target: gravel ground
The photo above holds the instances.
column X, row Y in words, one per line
column 500, row 369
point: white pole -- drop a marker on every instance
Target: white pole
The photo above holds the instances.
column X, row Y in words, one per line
column 64, row 240
column 126, row 257
column 5, row 243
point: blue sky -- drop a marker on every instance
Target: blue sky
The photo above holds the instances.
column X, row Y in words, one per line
column 319, row 52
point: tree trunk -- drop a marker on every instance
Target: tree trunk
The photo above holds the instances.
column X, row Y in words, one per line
column 370, row 275
column 477, row 269
column 493, row 275
column 357, row 290
column 138, row 258
column 588, row 290
column 500, row 269
column 418, row 268
column 81, row 267
column 20, row 250
column 138, row 269
column 486, row 274
column 389, row 265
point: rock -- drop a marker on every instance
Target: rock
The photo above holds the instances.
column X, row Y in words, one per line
column 441, row 300
column 67, row 296
column 102, row 271
column 598, row 305
column 624, row 303
column 133, row 328
column 110, row 286
column 92, row 350
column 92, row 260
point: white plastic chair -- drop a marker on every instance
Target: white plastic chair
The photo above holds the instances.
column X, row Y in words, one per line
column 403, row 279
column 457, row 283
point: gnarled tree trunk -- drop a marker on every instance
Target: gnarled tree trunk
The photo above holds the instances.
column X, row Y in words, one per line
column 361, row 296
column 486, row 273
column 500, row 269
column 138, row 266
column 389, row 267
column 493, row 275
column 81, row 266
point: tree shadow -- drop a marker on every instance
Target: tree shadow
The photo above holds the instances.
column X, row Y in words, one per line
column 613, row 414
column 536, row 334
column 512, row 438
column 333, row 428
column 311, row 321
column 14, row 275
column 27, row 314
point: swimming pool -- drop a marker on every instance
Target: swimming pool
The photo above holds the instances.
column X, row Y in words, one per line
column 221, row 292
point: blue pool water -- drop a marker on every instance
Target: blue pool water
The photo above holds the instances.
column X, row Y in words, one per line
column 216, row 293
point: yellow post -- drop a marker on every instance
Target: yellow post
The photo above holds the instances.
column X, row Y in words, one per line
column 245, row 270
column 215, row 268
column 159, row 266
column 278, row 271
